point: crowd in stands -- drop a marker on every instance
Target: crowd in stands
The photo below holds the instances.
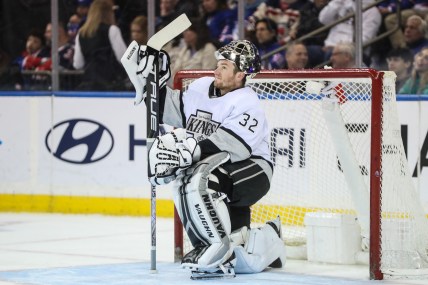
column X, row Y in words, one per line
column 98, row 49
column 93, row 38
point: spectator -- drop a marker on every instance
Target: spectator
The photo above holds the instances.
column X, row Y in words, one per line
column 130, row 10
column 190, row 7
column 344, row 32
column 309, row 22
column 400, row 61
column 36, row 53
column 99, row 47
column 220, row 20
column 65, row 56
column 139, row 33
column 65, row 48
column 286, row 15
column 73, row 26
column 252, row 6
column 296, row 56
column 421, row 8
column 167, row 13
column 266, row 31
column 388, row 11
column 418, row 82
column 139, row 30
column 82, row 10
column 343, row 56
column 390, row 6
column 198, row 50
column 48, row 35
column 78, row 18
column 415, row 33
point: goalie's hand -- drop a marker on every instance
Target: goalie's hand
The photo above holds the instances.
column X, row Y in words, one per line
column 170, row 154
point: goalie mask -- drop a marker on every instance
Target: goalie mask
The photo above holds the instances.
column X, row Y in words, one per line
column 243, row 53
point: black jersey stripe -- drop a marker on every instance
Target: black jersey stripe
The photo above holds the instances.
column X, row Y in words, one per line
column 208, row 148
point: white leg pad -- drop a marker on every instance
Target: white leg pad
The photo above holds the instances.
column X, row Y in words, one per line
column 205, row 216
column 263, row 247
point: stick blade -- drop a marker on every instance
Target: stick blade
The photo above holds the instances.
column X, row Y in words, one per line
column 173, row 29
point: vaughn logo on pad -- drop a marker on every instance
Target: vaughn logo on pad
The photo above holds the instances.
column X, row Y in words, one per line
column 79, row 141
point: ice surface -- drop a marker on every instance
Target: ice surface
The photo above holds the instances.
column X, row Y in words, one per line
column 53, row 249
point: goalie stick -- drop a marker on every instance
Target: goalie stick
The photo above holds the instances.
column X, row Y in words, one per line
column 156, row 42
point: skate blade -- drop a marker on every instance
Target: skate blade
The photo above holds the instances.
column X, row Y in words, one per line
column 201, row 275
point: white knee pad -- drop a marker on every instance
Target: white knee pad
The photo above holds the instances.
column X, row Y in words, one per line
column 204, row 214
column 263, row 246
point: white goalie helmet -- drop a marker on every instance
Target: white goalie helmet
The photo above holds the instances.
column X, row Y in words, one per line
column 243, row 53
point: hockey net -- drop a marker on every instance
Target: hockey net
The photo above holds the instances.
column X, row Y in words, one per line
column 336, row 147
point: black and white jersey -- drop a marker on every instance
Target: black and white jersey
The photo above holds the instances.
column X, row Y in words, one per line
column 234, row 122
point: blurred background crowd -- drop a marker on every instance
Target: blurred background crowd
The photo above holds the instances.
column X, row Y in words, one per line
column 94, row 34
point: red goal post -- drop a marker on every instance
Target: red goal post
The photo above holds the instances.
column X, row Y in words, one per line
column 343, row 152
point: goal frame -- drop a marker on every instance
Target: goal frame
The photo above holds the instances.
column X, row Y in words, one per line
column 375, row 147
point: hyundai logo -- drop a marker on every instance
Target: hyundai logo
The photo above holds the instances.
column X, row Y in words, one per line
column 79, row 141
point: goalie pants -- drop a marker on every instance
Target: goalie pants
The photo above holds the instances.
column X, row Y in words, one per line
column 244, row 183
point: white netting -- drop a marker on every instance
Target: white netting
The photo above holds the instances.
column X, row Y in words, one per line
column 404, row 224
column 309, row 176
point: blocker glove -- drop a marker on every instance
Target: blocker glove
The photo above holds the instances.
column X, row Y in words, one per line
column 170, row 154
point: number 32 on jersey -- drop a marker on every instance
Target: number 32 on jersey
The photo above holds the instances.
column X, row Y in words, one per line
column 249, row 122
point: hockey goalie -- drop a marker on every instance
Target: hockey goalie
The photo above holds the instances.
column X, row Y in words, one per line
column 218, row 159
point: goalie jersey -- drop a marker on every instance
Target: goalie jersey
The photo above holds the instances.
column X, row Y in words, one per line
column 234, row 122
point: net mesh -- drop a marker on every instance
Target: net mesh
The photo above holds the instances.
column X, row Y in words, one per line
column 404, row 225
column 309, row 175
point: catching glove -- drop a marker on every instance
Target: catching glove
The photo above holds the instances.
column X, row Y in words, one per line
column 138, row 63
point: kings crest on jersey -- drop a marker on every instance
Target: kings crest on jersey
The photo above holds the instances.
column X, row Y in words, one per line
column 234, row 122
column 201, row 125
